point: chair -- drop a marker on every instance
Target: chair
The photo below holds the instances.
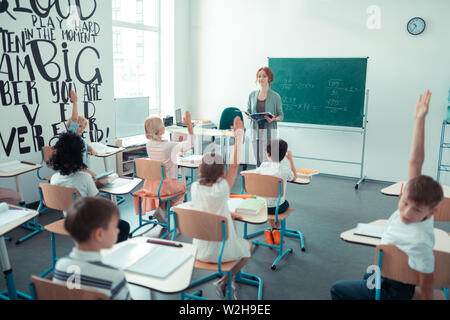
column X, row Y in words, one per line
column 43, row 289
column 211, row 227
column 34, row 226
column 148, row 169
column 57, row 198
column 393, row 264
column 46, row 152
column 270, row 187
column 227, row 117
column 443, row 211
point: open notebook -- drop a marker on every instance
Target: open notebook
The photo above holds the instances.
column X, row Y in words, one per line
column 157, row 261
column 369, row 230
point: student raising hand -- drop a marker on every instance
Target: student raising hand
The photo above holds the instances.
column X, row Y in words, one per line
column 237, row 127
column 423, row 105
column 73, row 96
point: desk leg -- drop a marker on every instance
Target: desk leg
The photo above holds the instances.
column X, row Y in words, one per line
column 105, row 162
column 19, row 190
column 7, row 271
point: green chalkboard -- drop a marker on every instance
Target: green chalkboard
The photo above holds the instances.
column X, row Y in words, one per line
column 325, row 91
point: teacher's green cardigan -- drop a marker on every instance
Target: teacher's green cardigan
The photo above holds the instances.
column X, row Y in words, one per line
column 273, row 105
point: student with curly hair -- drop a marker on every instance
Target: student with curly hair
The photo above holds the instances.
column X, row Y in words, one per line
column 68, row 161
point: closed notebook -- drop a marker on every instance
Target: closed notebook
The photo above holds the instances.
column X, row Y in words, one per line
column 160, row 262
column 369, row 230
column 250, row 206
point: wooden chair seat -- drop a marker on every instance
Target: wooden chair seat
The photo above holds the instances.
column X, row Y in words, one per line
column 226, row 266
column 282, row 216
column 153, row 196
column 57, row 227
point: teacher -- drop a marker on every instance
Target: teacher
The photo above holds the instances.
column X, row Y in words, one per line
column 264, row 100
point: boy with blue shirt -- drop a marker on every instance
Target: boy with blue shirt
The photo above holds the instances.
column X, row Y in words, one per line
column 410, row 228
column 77, row 124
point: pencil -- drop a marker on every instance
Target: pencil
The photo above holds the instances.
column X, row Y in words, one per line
column 401, row 189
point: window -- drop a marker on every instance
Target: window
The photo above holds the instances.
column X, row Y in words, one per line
column 136, row 49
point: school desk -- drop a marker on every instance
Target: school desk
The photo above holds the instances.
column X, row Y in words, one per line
column 443, row 212
column 206, row 132
column 111, row 151
column 34, row 226
column 177, row 281
column 121, row 186
column 442, row 239
column 12, row 293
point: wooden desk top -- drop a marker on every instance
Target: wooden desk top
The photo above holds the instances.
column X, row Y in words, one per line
column 14, row 224
column 442, row 238
column 200, row 131
column 177, row 281
column 110, row 153
column 121, row 186
column 394, row 189
column 21, row 171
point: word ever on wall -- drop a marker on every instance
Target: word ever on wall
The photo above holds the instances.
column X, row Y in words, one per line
column 48, row 48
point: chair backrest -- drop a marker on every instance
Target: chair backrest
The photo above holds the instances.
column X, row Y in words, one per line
column 200, row 225
column 146, row 168
column 443, row 211
column 395, row 266
column 58, row 197
column 227, row 117
column 262, row 185
column 47, row 153
column 48, row 290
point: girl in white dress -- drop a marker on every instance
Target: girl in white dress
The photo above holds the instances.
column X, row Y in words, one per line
column 211, row 194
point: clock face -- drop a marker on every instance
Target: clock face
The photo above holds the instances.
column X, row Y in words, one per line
column 416, row 26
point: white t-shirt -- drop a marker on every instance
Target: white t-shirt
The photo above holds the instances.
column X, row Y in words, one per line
column 278, row 169
column 167, row 151
column 415, row 239
column 214, row 199
column 80, row 180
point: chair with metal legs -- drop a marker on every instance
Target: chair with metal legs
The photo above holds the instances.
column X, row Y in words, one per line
column 393, row 264
column 153, row 170
column 34, row 226
column 270, row 187
column 58, row 198
column 211, row 227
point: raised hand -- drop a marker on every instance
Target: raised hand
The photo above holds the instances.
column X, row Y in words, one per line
column 238, row 126
column 73, row 96
column 422, row 105
column 187, row 118
column 289, row 155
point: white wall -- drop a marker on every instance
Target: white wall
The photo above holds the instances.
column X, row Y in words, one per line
column 48, row 115
column 230, row 40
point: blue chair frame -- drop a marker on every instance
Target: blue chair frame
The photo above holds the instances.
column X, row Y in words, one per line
column 241, row 277
column 34, row 226
column 52, row 241
column 284, row 232
column 144, row 222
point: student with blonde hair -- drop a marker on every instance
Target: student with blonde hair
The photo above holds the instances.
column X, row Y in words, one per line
column 165, row 151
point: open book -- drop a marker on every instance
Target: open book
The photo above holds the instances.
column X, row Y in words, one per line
column 13, row 165
column 10, row 213
column 102, row 149
column 260, row 116
column 152, row 260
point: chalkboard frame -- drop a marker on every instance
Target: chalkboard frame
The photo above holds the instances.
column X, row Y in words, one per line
column 355, row 104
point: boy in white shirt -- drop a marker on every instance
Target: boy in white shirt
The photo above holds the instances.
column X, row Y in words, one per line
column 410, row 228
column 277, row 150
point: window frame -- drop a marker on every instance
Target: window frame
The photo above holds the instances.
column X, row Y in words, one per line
column 145, row 28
